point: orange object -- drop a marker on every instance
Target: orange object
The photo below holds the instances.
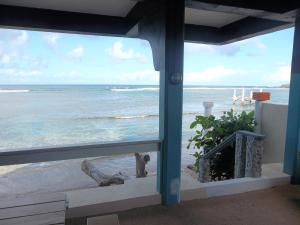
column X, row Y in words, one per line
column 261, row 96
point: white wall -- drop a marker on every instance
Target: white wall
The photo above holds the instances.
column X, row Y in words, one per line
column 273, row 125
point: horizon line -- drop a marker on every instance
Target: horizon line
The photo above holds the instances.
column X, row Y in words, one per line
column 203, row 85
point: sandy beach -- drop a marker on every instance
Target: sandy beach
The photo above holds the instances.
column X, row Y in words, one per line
column 67, row 175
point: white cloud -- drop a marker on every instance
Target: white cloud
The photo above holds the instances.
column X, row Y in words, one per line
column 260, row 44
column 51, row 39
column 212, row 74
column 209, row 75
column 21, row 39
column 13, row 62
column 19, row 72
column 76, row 53
column 227, row 50
column 13, row 37
column 34, row 72
column 4, row 58
column 10, row 43
column 118, row 52
column 281, row 76
column 254, row 41
column 139, row 77
column 195, row 48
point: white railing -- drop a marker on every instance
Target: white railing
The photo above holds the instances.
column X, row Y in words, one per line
column 56, row 153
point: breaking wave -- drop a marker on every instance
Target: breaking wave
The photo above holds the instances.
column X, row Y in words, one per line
column 133, row 89
column 189, row 89
column 127, row 117
column 13, row 91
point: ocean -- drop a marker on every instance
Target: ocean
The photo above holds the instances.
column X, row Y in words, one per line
column 47, row 115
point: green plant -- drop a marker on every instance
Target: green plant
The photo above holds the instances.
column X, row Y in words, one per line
column 211, row 131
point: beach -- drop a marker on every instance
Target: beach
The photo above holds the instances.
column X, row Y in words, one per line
column 50, row 115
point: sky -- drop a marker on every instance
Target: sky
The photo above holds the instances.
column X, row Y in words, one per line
column 31, row 57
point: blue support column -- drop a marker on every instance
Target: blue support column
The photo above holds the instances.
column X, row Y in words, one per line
column 292, row 145
column 170, row 107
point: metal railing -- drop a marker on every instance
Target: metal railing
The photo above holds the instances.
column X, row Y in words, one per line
column 248, row 155
column 56, row 153
column 228, row 141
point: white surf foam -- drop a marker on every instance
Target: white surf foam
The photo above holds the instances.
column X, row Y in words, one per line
column 132, row 117
column 190, row 89
column 13, row 91
column 134, row 89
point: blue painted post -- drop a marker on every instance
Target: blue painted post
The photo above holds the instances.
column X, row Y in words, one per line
column 170, row 107
column 292, row 145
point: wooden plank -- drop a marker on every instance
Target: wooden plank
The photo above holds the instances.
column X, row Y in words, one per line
column 33, row 155
column 42, row 219
column 29, row 210
column 13, row 201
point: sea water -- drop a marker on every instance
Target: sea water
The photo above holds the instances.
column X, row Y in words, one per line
column 47, row 115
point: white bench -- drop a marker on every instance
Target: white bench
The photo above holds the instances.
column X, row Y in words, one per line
column 37, row 209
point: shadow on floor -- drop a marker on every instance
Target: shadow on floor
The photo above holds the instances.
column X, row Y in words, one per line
column 276, row 206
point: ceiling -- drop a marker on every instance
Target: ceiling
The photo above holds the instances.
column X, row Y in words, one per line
column 121, row 8
column 206, row 21
column 102, row 7
column 209, row 18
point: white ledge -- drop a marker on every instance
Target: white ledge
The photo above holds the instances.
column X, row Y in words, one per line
column 142, row 192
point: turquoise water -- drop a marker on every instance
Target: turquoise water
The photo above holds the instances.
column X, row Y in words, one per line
column 46, row 115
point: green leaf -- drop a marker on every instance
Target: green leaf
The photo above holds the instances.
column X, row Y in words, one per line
column 193, row 124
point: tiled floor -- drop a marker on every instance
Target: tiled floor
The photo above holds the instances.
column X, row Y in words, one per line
column 276, row 206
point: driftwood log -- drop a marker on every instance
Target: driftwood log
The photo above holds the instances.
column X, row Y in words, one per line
column 141, row 161
column 101, row 178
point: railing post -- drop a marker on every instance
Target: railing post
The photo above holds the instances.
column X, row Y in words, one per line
column 254, row 153
column 258, row 116
column 208, row 108
column 204, row 170
column 240, row 156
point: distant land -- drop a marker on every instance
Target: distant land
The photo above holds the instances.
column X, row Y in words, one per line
column 285, row 86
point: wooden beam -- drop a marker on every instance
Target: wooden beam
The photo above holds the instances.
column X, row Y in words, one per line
column 292, row 144
column 252, row 5
column 202, row 34
column 236, row 31
column 61, row 21
column 287, row 12
column 143, row 9
column 250, row 27
column 34, row 155
column 170, row 100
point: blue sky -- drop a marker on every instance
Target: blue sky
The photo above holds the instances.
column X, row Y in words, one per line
column 28, row 57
